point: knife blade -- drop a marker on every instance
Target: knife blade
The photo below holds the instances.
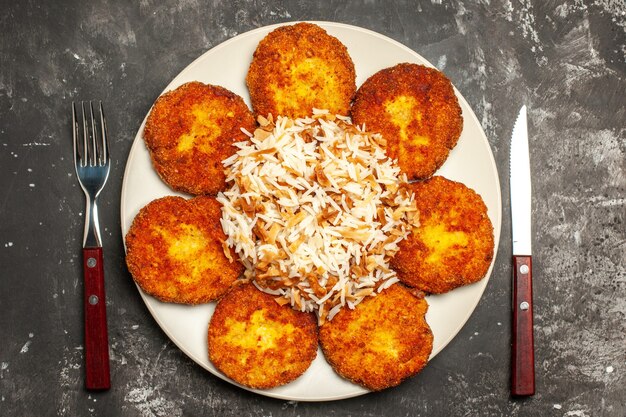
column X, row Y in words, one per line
column 522, row 352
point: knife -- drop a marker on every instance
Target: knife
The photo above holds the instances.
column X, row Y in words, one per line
column 523, row 356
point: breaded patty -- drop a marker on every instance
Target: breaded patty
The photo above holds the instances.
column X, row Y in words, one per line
column 415, row 109
column 259, row 343
column 190, row 130
column 453, row 245
column 383, row 341
column 174, row 250
column 300, row 67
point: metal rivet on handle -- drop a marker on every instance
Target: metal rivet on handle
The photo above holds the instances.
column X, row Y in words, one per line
column 524, row 305
column 91, row 262
column 523, row 269
column 93, row 300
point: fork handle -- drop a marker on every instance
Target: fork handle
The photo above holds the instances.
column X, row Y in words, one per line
column 96, row 335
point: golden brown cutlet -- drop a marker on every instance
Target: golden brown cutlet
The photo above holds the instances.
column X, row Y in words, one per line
column 300, row 67
column 453, row 246
column 415, row 109
column 190, row 130
column 259, row 343
column 174, row 250
column 383, row 341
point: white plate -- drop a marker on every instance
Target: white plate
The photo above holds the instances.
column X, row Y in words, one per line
column 470, row 162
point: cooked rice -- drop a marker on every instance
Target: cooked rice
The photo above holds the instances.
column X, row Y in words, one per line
column 315, row 211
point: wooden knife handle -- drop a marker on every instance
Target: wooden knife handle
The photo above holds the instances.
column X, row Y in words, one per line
column 523, row 352
column 96, row 335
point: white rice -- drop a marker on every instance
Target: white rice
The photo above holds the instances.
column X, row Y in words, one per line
column 315, row 211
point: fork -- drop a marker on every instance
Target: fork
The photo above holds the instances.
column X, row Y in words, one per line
column 93, row 163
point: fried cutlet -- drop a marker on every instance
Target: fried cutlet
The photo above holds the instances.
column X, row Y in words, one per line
column 174, row 250
column 190, row 130
column 300, row 67
column 383, row 341
column 415, row 109
column 453, row 244
column 259, row 343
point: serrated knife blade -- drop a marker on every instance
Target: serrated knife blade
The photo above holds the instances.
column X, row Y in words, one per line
column 522, row 355
column 520, row 187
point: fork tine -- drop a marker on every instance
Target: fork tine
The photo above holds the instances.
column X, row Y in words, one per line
column 95, row 155
column 75, row 135
column 104, row 134
column 86, row 154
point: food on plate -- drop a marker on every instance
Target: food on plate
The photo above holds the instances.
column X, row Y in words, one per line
column 175, row 250
column 190, row 130
column 300, row 67
column 315, row 211
column 259, row 343
column 453, row 246
column 307, row 230
column 383, row 341
column 415, row 109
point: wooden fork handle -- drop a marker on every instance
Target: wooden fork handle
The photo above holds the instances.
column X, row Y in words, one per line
column 523, row 356
column 96, row 335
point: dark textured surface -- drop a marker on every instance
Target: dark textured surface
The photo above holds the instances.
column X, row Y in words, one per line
column 565, row 60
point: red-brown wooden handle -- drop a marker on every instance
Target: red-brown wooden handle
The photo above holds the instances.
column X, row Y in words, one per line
column 96, row 335
column 523, row 352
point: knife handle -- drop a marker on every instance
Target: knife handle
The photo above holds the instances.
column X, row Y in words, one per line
column 96, row 335
column 523, row 355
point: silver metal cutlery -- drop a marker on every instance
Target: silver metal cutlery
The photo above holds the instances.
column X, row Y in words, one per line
column 92, row 161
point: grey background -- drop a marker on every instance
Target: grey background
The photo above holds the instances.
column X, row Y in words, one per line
column 564, row 60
